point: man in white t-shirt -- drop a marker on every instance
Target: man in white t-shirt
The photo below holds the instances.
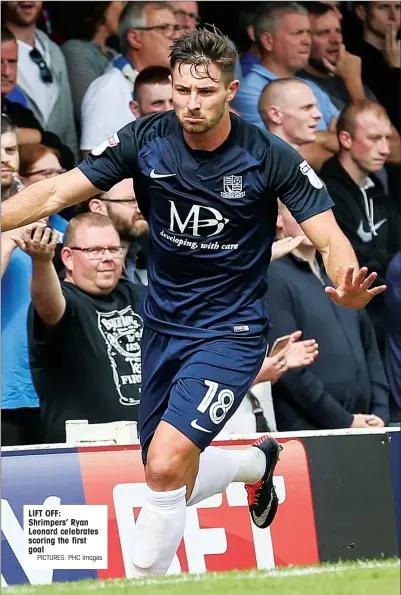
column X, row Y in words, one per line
column 146, row 32
column 42, row 72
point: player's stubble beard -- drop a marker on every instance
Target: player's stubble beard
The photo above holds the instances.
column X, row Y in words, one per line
column 204, row 125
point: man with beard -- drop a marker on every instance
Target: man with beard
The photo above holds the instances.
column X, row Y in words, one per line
column 207, row 182
column 121, row 206
column 9, row 158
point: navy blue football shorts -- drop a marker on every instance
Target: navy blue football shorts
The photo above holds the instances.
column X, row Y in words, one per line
column 195, row 385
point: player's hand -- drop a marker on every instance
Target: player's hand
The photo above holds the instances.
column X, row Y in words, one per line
column 39, row 241
column 285, row 246
column 392, row 47
column 376, row 421
column 355, row 292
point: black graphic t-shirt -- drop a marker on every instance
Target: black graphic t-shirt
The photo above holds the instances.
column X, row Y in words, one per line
column 89, row 365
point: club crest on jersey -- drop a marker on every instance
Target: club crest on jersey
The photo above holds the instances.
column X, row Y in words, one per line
column 313, row 178
column 232, row 187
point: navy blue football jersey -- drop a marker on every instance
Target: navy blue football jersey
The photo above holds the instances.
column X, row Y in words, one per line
column 212, row 218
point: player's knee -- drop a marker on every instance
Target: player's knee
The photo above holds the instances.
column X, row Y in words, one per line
column 165, row 472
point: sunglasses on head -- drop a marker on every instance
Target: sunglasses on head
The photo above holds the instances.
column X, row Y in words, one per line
column 45, row 73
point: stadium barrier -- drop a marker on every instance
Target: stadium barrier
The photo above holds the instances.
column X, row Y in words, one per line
column 339, row 494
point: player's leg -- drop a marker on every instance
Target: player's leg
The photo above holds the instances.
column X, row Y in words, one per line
column 160, row 524
column 212, row 383
column 197, row 410
column 171, row 467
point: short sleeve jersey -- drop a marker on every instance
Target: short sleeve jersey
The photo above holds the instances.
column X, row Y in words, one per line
column 212, row 218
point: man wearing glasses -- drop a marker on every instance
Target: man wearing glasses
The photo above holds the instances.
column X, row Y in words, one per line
column 146, row 32
column 42, row 72
column 121, row 206
column 87, row 326
column 187, row 14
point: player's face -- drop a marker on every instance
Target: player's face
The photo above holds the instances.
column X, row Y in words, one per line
column 370, row 143
column 123, row 210
column 9, row 63
column 300, row 115
column 291, row 42
column 326, row 37
column 200, row 98
column 95, row 276
column 23, row 14
column 9, row 157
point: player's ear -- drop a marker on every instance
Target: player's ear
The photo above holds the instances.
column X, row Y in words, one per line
column 232, row 90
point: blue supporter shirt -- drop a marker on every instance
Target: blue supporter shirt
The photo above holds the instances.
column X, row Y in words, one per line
column 212, row 217
column 246, row 101
column 16, row 381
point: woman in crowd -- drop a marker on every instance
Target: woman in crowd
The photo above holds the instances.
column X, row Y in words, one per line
column 38, row 162
column 86, row 52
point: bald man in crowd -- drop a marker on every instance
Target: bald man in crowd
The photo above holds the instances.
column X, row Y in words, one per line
column 289, row 109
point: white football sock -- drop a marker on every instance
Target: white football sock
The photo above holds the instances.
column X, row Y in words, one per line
column 218, row 467
column 159, row 530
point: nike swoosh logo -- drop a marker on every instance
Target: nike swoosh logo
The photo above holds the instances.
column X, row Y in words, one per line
column 194, row 424
column 153, row 174
column 366, row 236
column 260, row 520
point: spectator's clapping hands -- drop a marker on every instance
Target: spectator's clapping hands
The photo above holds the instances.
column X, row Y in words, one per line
column 38, row 240
column 295, row 354
column 285, row 246
column 300, row 353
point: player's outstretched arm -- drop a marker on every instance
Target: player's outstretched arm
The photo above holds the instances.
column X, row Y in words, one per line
column 352, row 287
column 45, row 198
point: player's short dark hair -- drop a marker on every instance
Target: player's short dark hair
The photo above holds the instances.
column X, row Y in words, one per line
column 203, row 47
column 6, row 34
column 7, row 125
column 318, row 9
column 152, row 75
column 88, row 219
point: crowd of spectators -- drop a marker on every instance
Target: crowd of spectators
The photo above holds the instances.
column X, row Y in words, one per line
column 322, row 76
